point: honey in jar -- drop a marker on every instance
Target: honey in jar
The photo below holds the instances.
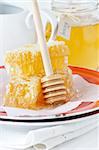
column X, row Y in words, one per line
column 79, row 28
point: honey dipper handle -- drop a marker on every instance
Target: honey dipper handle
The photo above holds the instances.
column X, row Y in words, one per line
column 41, row 39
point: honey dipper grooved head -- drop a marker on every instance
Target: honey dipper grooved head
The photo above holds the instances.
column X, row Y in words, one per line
column 54, row 89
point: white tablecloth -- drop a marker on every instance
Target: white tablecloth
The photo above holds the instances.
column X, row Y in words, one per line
column 89, row 141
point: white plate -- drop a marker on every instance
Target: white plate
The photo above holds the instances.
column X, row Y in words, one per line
column 85, row 110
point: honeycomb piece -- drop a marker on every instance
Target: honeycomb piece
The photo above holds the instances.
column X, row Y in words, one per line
column 27, row 93
column 24, row 93
column 27, row 61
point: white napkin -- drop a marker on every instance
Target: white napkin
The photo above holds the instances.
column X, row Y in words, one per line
column 51, row 143
column 87, row 92
column 22, row 139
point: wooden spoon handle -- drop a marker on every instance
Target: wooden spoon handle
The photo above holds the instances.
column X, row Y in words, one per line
column 41, row 39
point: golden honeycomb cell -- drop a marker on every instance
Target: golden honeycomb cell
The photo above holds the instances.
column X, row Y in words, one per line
column 27, row 93
column 24, row 93
column 27, row 61
column 25, row 67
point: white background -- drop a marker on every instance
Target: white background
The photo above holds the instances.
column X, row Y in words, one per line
column 23, row 3
column 28, row 3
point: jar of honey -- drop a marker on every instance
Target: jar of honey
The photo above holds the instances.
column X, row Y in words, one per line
column 79, row 28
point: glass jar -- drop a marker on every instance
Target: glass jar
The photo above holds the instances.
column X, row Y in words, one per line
column 79, row 28
column 45, row 4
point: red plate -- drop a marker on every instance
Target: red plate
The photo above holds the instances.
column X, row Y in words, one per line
column 90, row 75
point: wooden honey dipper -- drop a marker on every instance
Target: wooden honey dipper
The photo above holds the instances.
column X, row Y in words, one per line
column 53, row 85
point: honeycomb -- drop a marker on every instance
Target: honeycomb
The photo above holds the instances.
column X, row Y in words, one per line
column 25, row 68
column 28, row 94
column 27, row 61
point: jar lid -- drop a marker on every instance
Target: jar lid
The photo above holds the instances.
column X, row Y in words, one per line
column 77, row 12
column 75, row 5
